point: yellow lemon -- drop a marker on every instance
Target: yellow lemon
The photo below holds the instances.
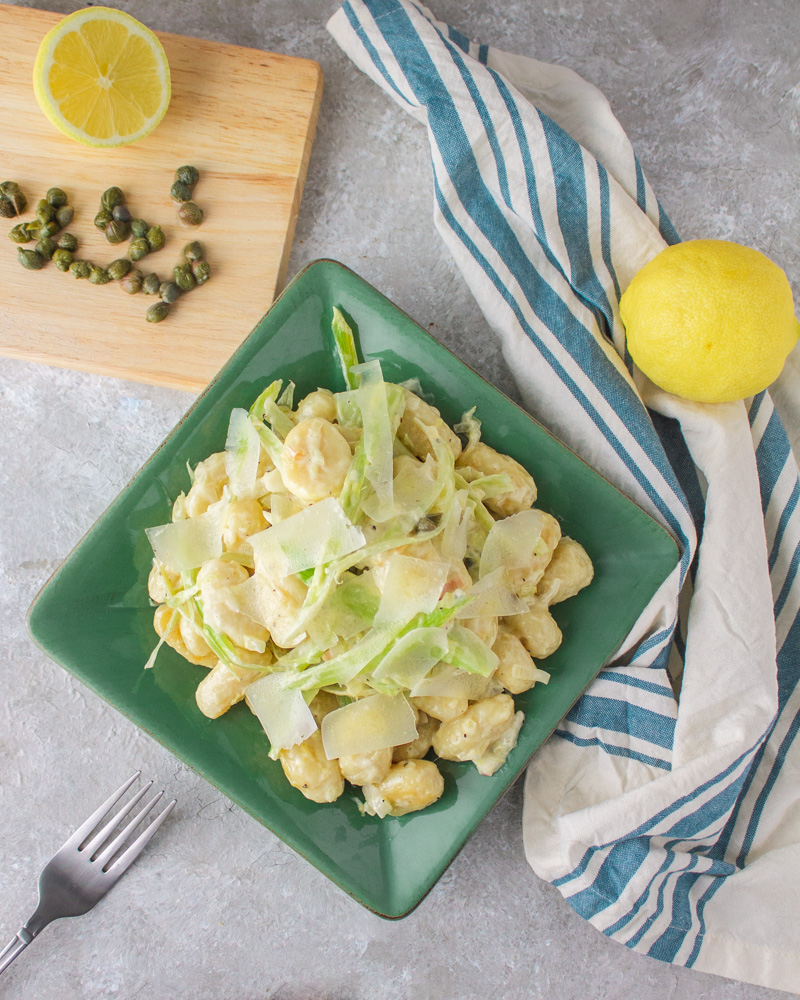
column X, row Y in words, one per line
column 102, row 77
column 710, row 320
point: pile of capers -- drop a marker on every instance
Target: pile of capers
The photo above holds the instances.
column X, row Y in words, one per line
column 53, row 213
column 113, row 219
column 193, row 270
column 181, row 192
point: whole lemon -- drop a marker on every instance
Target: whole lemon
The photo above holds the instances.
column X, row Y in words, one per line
column 710, row 320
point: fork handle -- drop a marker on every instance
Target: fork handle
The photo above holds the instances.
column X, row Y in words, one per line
column 17, row 944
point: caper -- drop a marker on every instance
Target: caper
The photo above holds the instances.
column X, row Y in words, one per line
column 112, row 197
column 48, row 229
column 157, row 312
column 118, row 268
column 80, row 268
column 151, row 284
column 66, row 241
column 62, row 259
column 193, row 251
column 190, row 214
column 46, row 247
column 180, row 192
column 201, row 271
column 139, row 227
column 184, row 278
column 30, row 259
column 132, row 282
column 98, row 275
column 19, row 234
column 121, row 213
column 64, row 215
column 169, row 292
column 44, row 212
column 138, row 248
column 56, row 197
column 117, row 232
column 102, row 219
column 188, row 175
column 13, row 191
column 7, row 209
column 155, row 238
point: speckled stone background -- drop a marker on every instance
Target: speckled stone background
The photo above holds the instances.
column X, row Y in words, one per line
column 709, row 91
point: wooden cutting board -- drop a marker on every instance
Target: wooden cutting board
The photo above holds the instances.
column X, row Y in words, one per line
column 246, row 120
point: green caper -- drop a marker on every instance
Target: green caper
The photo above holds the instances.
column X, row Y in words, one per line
column 155, row 238
column 44, row 212
column 193, row 251
column 30, row 259
column 7, row 209
column 19, row 234
column 184, row 278
column 121, row 213
column 64, row 215
column 117, row 232
column 132, row 282
column 201, row 271
column 48, row 229
column 62, row 259
column 56, row 197
column 188, row 175
column 151, row 283
column 180, row 192
column 66, row 241
column 139, row 228
column 190, row 214
column 98, row 275
column 102, row 219
column 118, row 268
column 169, row 291
column 157, row 312
column 112, row 197
column 80, row 268
column 46, row 247
column 13, row 191
column 138, row 248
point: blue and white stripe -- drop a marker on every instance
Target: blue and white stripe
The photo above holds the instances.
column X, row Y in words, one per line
column 647, row 814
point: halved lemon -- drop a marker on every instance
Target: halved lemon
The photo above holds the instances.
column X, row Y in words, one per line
column 102, row 77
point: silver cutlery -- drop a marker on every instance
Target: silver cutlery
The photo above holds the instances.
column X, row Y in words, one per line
column 85, row 868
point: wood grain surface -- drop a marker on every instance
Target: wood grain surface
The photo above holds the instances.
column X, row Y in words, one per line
column 246, row 120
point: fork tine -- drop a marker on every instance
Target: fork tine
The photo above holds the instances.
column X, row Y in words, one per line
column 86, row 828
column 109, row 852
column 124, row 861
column 102, row 835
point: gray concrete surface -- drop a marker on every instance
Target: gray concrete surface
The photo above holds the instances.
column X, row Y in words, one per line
column 709, row 92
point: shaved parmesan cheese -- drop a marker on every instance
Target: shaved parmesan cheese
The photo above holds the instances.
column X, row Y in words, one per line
column 187, row 544
column 414, row 491
column 412, row 585
column 370, row 724
column 412, row 656
column 493, row 596
column 282, row 508
column 242, row 452
column 450, row 682
column 310, row 538
column 283, row 712
column 512, row 542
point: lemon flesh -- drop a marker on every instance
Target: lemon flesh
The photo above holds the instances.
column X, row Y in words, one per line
column 710, row 320
column 102, row 77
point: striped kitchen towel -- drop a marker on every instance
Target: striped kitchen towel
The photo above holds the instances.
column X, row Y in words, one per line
column 674, row 827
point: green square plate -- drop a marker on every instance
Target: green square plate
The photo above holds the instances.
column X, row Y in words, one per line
column 95, row 618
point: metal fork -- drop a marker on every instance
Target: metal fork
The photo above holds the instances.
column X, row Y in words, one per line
column 81, row 872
